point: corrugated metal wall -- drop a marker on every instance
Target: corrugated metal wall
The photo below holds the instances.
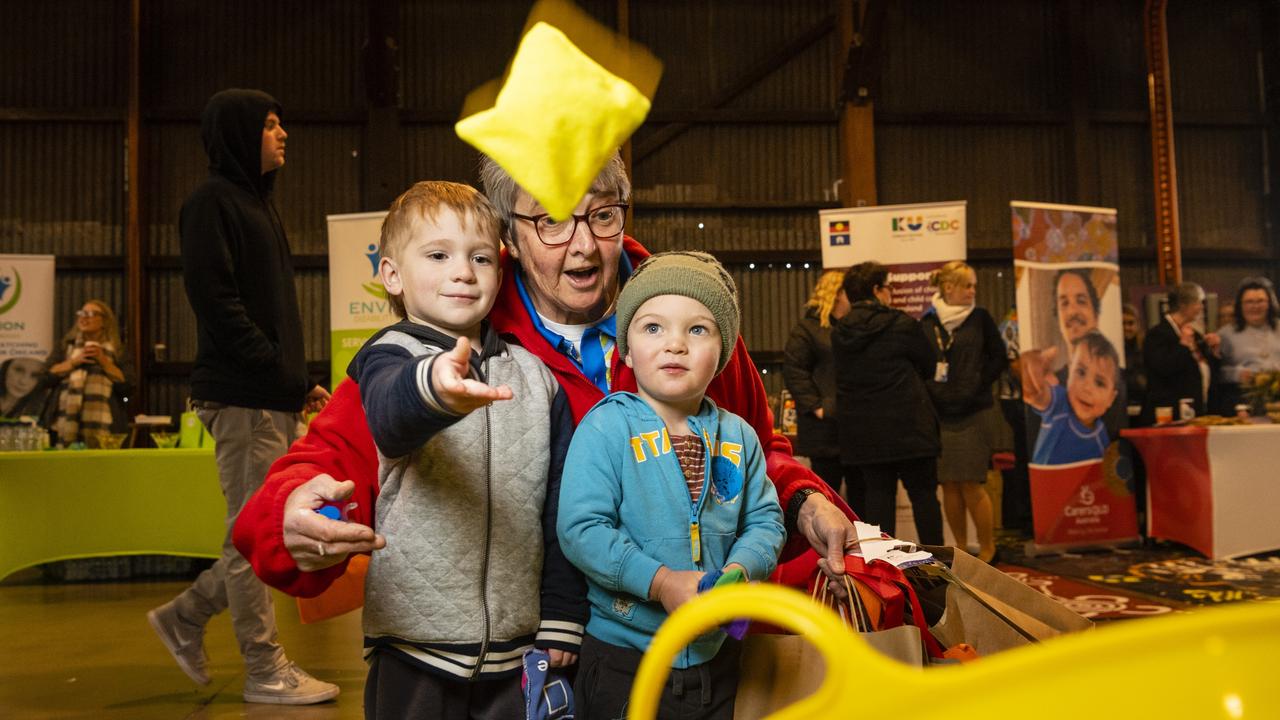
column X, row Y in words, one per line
column 974, row 103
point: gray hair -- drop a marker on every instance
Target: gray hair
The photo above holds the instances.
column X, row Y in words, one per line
column 1184, row 294
column 501, row 188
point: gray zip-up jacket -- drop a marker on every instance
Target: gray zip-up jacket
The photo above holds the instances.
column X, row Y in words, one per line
column 472, row 575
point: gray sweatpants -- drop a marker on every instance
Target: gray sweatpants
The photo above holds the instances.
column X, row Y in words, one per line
column 247, row 441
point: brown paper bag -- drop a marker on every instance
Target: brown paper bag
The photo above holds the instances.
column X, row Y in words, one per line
column 967, row 620
column 778, row 670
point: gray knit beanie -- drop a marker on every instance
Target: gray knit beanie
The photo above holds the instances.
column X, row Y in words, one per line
column 695, row 275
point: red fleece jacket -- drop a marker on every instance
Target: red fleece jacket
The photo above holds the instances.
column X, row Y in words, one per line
column 338, row 443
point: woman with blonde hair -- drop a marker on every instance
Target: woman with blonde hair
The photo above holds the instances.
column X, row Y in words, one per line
column 93, row 377
column 971, row 356
column 809, row 372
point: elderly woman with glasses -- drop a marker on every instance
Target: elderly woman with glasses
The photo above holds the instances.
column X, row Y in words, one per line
column 90, row 368
column 560, row 280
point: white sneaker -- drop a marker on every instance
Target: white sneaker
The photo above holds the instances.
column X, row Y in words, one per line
column 290, row 685
column 184, row 641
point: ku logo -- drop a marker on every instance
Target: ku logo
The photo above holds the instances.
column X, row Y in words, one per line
column 913, row 224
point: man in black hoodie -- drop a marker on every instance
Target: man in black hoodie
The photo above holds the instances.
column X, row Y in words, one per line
column 250, row 379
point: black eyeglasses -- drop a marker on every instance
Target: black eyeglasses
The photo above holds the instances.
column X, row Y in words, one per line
column 604, row 222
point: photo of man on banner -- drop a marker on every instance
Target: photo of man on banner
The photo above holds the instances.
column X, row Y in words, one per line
column 1070, row 329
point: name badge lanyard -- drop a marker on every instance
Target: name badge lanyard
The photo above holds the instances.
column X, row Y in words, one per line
column 942, row 369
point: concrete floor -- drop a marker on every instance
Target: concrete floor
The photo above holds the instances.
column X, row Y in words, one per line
column 85, row 650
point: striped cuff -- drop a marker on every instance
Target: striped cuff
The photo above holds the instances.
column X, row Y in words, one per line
column 559, row 634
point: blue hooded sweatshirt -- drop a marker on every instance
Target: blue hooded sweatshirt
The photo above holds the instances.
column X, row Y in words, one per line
column 626, row 510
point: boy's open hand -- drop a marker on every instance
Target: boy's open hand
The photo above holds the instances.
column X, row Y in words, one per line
column 458, row 392
column 1037, row 377
column 315, row 541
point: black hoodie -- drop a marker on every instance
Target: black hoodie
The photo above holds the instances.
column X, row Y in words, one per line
column 882, row 358
column 237, row 267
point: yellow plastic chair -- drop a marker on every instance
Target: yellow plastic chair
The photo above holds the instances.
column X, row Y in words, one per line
column 1213, row 663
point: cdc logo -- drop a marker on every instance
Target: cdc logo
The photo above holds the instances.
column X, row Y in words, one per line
column 918, row 223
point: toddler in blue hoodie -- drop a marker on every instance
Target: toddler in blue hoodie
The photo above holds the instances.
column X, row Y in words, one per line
column 661, row 487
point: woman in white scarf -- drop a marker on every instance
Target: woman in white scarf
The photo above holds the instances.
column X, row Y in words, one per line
column 971, row 356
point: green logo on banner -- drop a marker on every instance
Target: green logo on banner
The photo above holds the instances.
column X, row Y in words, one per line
column 375, row 289
column 5, row 283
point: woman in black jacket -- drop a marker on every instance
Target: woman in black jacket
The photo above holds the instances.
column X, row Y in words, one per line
column 888, row 428
column 971, row 356
column 809, row 371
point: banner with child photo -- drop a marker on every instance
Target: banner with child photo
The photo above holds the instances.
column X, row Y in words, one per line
column 1071, row 368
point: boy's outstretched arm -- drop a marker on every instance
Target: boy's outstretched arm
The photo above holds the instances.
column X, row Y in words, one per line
column 564, row 589
column 408, row 397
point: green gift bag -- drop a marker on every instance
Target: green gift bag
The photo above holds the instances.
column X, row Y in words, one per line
column 192, row 433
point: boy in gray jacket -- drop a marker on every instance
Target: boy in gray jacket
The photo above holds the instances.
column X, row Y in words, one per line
column 471, row 436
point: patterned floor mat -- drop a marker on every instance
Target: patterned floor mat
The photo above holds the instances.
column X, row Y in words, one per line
column 1098, row 603
column 1157, row 571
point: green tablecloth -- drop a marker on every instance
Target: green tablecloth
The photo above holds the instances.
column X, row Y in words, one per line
column 67, row 504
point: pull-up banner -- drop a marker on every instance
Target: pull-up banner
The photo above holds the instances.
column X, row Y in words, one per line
column 358, row 305
column 26, row 306
column 1072, row 356
column 26, row 332
column 911, row 240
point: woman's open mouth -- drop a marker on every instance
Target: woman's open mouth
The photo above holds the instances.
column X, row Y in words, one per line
column 583, row 277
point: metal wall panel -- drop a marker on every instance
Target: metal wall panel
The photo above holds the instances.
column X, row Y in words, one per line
column 986, row 165
column 305, row 54
column 313, row 297
column 171, row 320
column 449, row 47
column 1220, row 186
column 959, row 57
column 1214, row 55
column 747, row 164
column 64, row 54
column 61, row 188
column 434, row 152
column 772, row 298
column 1124, row 180
column 706, row 46
column 322, row 177
column 1117, row 64
column 175, row 165
column 795, row 230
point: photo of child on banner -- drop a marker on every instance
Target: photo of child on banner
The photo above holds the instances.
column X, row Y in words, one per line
column 1070, row 328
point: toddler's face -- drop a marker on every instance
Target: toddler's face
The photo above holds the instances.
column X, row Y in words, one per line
column 673, row 345
column 1091, row 385
column 447, row 274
